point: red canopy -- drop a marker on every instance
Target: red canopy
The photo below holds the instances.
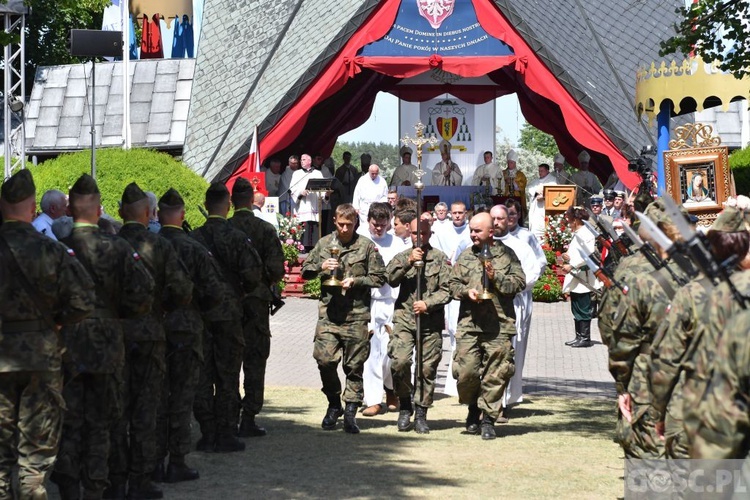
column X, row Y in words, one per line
column 342, row 96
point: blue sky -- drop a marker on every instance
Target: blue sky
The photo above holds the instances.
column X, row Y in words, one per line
column 382, row 126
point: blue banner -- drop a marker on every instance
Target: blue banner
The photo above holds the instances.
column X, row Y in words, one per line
column 445, row 27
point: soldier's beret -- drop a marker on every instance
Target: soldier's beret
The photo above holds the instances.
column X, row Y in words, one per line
column 730, row 220
column 132, row 194
column 18, row 187
column 171, row 198
column 85, row 185
column 657, row 212
column 217, row 191
column 242, row 186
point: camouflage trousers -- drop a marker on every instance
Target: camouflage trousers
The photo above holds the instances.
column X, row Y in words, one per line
column 257, row 333
column 676, row 442
column 639, row 438
column 175, row 412
column 401, row 352
column 30, row 423
column 482, row 366
column 133, row 450
column 346, row 344
column 216, row 405
column 92, row 409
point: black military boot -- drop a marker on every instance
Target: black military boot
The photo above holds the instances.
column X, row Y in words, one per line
column 350, row 418
column 248, row 427
column 420, row 420
column 578, row 334
column 585, row 340
column 404, row 415
column 158, row 475
column 116, row 490
column 69, row 487
column 488, row 428
column 142, row 488
column 472, row 419
column 227, row 442
column 332, row 416
column 178, row 471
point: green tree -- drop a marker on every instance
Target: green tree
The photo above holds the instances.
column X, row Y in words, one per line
column 718, row 31
column 533, row 139
column 383, row 154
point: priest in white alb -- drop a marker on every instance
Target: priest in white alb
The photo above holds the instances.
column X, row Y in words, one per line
column 370, row 189
column 489, row 174
column 404, row 173
column 446, row 171
column 535, row 191
column 306, row 204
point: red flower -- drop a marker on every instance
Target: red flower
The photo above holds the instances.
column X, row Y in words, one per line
column 557, row 253
column 546, row 287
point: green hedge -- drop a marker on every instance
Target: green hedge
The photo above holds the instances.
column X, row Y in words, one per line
column 739, row 163
column 116, row 168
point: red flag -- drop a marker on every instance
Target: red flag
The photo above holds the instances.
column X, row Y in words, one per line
column 250, row 169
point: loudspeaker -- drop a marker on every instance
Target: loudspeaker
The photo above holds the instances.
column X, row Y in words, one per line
column 95, row 43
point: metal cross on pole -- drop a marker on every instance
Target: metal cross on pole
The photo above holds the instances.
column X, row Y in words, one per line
column 419, row 141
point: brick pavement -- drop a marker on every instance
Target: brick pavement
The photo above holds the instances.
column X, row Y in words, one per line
column 551, row 369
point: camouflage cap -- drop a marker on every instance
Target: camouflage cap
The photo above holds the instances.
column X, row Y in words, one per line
column 217, row 191
column 730, row 220
column 242, row 186
column 18, row 187
column 85, row 185
column 656, row 211
column 132, row 194
column 171, row 198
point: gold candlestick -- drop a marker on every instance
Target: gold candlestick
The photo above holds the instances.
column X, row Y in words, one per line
column 333, row 279
column 485, row 256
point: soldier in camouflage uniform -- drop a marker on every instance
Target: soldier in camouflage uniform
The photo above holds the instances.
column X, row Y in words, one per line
column 629, row 325
column 675, row 341
column 184, row 328
column 723, row 432
column 133, row 455
column 401, row 272
column 95, row 347
column 43, row 286
column 343, row 314
column 256, row 304
column 483, row 361
column 217, row 410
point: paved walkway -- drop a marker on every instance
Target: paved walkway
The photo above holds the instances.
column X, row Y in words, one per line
column 551, row 369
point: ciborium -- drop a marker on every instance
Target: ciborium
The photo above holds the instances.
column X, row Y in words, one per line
column 333, row 280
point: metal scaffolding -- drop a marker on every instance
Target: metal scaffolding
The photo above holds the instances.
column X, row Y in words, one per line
column 14, row 89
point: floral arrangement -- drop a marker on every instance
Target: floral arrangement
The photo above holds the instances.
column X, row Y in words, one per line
column 558, row 234
column 290, row 234
column 547, row 288
column 312, row 288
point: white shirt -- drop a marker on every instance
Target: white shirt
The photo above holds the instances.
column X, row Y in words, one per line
column 535, row 192
column 388, row 247
column 450, row 238
column 438, row 174
column 305, row 207
column 367, row 192
column 43, row 224
column 583, row 281
column 526, row 255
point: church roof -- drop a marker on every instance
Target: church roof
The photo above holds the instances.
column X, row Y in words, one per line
column 593, row 48
column 58, row 114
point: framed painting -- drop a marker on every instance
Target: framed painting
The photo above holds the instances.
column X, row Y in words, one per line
column 699, row 179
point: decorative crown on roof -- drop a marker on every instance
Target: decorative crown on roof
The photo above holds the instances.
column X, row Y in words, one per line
column 693, row 78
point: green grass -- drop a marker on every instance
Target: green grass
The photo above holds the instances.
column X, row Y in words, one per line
column 552, row 448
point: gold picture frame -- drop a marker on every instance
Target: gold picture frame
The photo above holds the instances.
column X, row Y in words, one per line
column 698, row 178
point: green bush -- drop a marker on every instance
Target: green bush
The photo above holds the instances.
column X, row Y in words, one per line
column 116, row 168
column 547, row 288
column 312, row 288
column 739, row 163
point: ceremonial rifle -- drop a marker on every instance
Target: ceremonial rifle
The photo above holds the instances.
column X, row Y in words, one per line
column 668, row 246
column 600, row 271
column 698, row 248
